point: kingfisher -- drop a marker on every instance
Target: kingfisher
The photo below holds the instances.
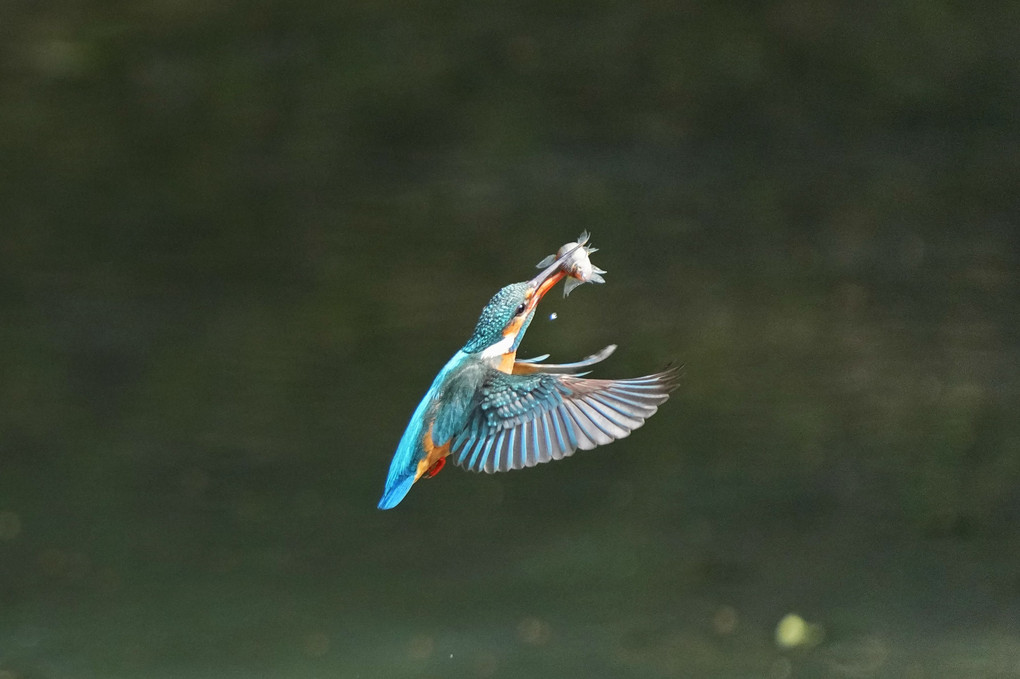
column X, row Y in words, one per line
column 492, row 413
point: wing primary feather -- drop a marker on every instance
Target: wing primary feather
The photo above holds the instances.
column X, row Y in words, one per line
column 511, row 449
column 471, row 453
column 463, row 450
column 521, row 453
column 568, row 427
column 528, row 446
column 476, row 452
column 621, row 420
column 493, row 463
column 478, row 459
column 461, row 447
column 548, row 428
column 555, row 427
column 641, row 384
column 490, row 449
column 521, row 456
column 584, row 441
column 646, row 398
column 577, row 426
column 505, row 445
column 505, row 451
column 486, row 463
column 535, row 450
column 521, row 445
column 599, row 430
column 601, row 423
column 610, row 397
column 468, row 440
column 564, row 426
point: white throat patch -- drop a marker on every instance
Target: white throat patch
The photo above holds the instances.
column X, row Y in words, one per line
column 499, row 348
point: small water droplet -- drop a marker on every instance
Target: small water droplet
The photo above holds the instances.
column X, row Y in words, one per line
column 553, row 316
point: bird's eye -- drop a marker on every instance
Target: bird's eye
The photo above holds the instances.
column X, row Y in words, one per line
column 520, row 310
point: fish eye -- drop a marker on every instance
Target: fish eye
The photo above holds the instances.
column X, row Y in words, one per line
column 520, row 310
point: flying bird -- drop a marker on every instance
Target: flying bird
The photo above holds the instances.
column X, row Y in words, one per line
column 491, row 412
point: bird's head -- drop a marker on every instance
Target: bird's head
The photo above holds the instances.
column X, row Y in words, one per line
column 505, row 318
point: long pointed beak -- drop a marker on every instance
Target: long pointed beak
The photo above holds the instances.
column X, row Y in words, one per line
column 545, row 281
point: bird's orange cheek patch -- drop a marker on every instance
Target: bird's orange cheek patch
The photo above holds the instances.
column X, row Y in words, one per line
column 513, row 327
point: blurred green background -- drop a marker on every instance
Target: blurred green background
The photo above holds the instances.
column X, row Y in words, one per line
column 239, row 239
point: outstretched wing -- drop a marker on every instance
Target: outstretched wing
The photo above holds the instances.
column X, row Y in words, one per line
column 523, row 420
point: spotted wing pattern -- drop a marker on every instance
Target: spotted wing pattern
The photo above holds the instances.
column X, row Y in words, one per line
column 523, row 420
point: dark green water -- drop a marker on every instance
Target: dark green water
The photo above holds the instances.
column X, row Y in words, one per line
column 238, row 241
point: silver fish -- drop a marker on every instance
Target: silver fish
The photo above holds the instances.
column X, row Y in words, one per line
column 577, row 265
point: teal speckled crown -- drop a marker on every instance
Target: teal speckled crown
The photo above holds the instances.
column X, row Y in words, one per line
column 496, row 314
